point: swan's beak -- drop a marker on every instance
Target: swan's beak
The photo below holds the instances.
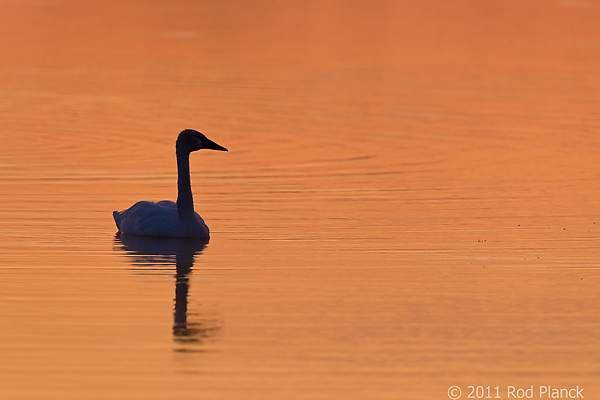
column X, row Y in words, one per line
column 209, row 144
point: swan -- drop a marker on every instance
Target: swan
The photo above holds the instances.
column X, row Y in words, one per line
column 165, row 218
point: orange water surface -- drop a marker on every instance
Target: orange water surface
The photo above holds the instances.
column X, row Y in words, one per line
column 410, row 200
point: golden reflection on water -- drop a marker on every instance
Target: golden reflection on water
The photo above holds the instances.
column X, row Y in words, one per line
column 410, row 200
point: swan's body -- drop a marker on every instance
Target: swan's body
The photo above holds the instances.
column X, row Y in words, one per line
column 166, row 218
column 147, row 218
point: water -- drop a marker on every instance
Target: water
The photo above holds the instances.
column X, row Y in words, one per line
column 410, row 199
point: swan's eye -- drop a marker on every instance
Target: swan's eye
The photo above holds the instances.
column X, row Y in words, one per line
column 197, row 136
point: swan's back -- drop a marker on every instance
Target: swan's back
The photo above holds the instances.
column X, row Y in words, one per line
column 146, row 218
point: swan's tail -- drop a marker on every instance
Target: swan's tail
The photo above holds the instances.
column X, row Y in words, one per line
column 117, row 216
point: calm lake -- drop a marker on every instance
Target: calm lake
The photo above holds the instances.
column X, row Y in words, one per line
column 410, row 203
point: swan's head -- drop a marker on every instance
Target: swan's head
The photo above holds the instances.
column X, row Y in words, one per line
column 190, row 140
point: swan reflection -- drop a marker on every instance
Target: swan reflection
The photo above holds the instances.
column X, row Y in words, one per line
column 156, row 253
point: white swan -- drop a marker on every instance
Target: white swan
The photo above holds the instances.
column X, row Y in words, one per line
column 166, row 218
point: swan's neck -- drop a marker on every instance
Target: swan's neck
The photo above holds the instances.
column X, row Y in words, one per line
column 185, row 201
